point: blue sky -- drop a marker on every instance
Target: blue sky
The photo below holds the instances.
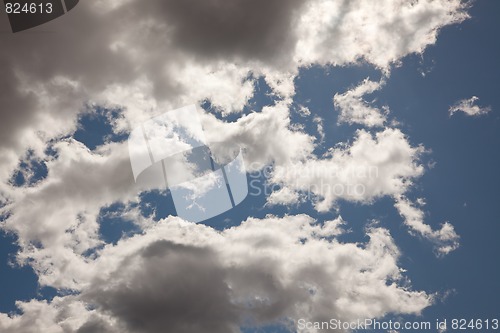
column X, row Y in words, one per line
column 460, row 183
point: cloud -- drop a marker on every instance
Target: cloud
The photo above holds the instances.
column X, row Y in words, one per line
column 369, row 168
column 56, row 220
column 469, row 107
column 147, row 58
column 381, row 33
column 445, row 239
column 169, row 58
column 354, row 110
column 168, row 286
column 184, row 277
column 64, row 314
column 246, row 29
column 284, row 196
column 180, row 53
column 262, row 135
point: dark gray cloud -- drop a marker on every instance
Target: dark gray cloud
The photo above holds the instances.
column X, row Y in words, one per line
column 14, row 108
column 259, row 29
column 72, row 47
column 95, row 325
column 168, row 288
column 185, row 289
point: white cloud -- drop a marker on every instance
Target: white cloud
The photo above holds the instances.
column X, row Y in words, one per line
column 284, row 196
column 262, row 135
column 56, row 220
column 445, row 238
column 62, row 315
column 369, row 168
column 303, row 111
column 320, row 128
column 354, row 110
column 382, row 32
column 469, row 107
column 332, row 227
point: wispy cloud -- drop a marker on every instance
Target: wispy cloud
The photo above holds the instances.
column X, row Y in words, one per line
column 469, row 107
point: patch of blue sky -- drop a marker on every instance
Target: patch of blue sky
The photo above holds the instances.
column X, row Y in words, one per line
column 29, row 171
column 315, row 87
column 263, row 96
column 95, row 128
column 13, row 276
column 463, row 185
column 113, row 226
column 156, row 204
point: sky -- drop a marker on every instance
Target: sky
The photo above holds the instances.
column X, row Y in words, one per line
column 367, row 132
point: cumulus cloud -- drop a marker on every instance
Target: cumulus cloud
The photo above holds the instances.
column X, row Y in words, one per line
column 469, row 107
column 181, row 288
column 283, row 196
column 262, row 135
column 188, row 277
column 368, row 168
column 381, row 33
column 56, row 221
column 61, row 315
